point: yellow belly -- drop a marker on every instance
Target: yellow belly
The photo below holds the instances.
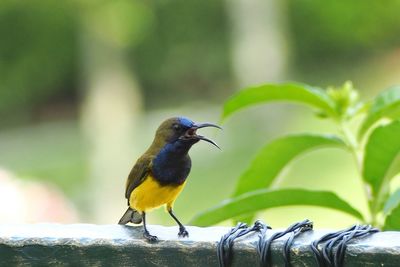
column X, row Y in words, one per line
column 150, row 194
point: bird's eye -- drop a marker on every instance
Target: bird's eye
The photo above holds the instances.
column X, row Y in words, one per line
column 176, row 127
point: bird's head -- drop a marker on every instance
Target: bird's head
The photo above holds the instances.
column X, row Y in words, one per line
column 183, row 130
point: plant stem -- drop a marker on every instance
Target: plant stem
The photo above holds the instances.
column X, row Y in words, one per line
column 352, row 143
column 354, row 147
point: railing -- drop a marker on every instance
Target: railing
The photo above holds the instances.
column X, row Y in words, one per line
column 115, row 245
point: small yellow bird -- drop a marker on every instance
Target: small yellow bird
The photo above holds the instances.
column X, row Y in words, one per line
column 159, row 175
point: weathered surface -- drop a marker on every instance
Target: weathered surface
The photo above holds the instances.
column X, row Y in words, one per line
column 115, row 245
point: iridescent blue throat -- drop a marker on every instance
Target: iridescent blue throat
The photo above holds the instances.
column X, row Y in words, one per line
column 172, row 164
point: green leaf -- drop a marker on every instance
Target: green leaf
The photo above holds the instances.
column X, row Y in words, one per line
column 392, row 221
column 300, row 93
column 266, row 199
column 380, row 153
column 273, row 157
column 385, row 105
column 392, row 202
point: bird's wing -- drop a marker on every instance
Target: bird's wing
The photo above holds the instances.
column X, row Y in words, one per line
column 137, row 175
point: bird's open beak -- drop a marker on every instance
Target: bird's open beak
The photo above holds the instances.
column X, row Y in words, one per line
column 191, row 133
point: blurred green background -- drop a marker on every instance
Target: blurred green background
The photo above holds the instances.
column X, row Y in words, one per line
column 84, row 85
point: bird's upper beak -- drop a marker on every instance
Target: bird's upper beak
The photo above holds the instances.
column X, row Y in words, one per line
column 191, row 133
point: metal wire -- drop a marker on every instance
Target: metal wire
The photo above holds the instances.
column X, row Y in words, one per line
column 225, row 245
column 264, row 244
column 333, row 251
column 330, row 254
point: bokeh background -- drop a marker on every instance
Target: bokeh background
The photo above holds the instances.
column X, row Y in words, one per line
column 84, row 85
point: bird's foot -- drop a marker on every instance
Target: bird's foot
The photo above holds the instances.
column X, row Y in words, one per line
column 183, row 232
column 149, row 237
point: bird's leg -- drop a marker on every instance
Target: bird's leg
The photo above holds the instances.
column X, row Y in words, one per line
column 146, row 234
column 182, row 230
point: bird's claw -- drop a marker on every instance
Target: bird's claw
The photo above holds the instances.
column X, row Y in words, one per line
column 183, row 232
column 150, row 238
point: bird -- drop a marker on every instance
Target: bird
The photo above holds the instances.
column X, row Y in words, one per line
column 160, row 174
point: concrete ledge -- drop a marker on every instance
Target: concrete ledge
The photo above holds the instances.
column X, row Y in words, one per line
column 115, row 245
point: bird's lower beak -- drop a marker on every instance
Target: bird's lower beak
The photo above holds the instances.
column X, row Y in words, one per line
column 194, row 128
column 208, row 140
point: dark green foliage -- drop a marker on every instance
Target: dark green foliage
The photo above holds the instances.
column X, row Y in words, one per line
column 174, row 46
column 336, row 31
column 185, row 53
column 37, row 53
column 179, row 47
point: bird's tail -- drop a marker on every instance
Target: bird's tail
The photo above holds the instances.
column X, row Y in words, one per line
column 132, row 216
